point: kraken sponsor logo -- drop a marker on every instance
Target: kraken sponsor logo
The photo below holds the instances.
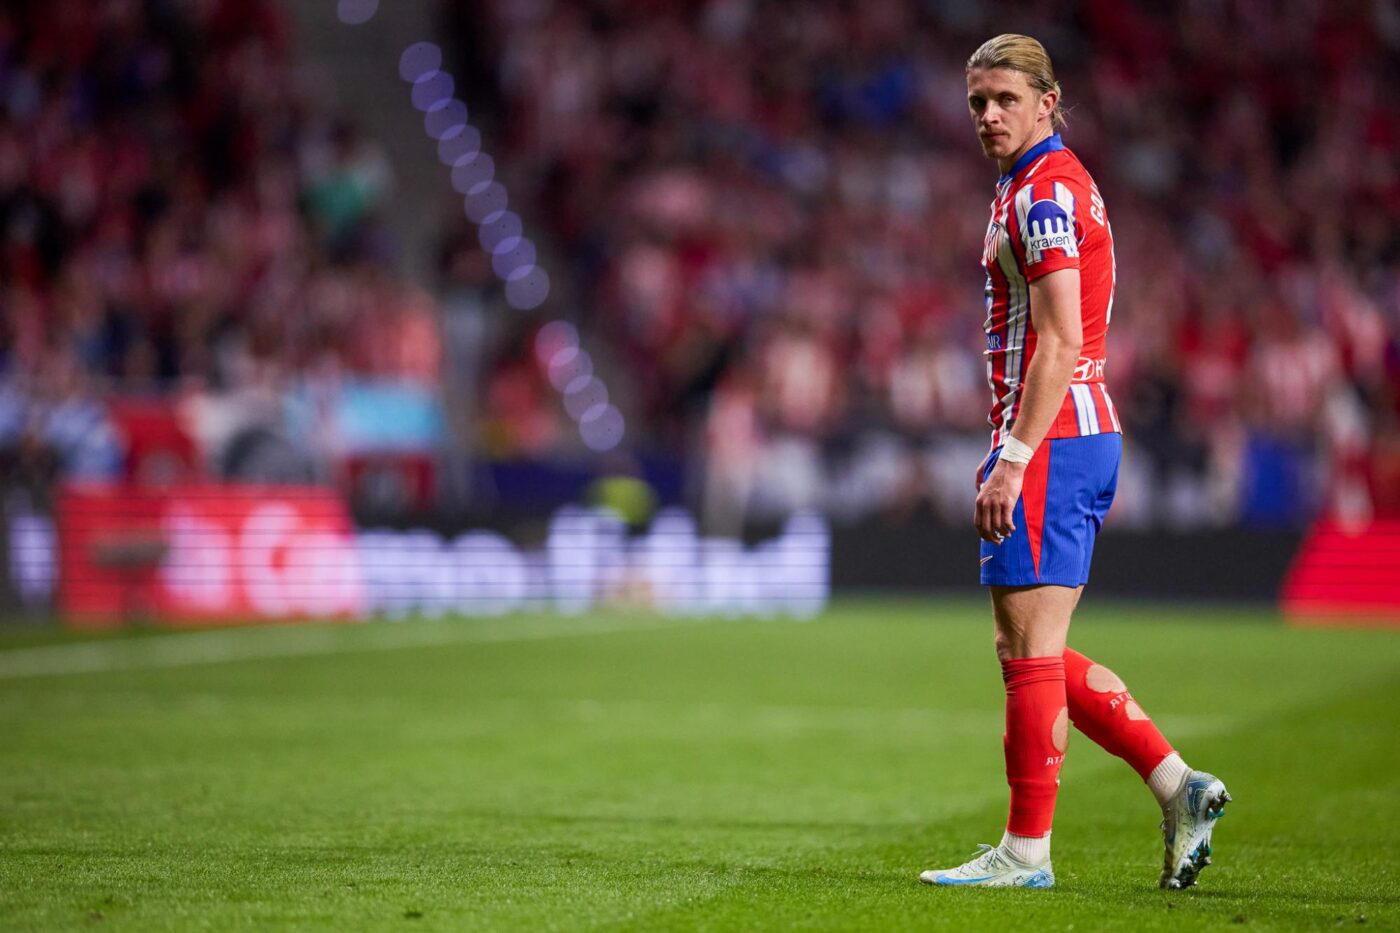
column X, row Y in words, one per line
column 1048, row 226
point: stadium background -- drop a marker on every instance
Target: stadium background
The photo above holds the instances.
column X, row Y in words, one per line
column 609, row 318
column 725, row 268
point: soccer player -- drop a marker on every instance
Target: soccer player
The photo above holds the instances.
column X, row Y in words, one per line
column 1046, row 485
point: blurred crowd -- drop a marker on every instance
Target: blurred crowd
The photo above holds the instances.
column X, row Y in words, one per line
column 773, row 213
column 765, row 219
column 179, row 218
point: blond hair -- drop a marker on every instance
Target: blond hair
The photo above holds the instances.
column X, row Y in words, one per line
column 1026, row 55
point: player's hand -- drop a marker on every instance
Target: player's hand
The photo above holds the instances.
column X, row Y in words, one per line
column 996, row 502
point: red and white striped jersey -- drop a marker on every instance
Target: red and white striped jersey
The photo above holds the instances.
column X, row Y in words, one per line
column 1048, row 215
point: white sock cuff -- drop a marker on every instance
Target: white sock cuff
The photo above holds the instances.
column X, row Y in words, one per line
column 1166, row 778
column 1028, row 850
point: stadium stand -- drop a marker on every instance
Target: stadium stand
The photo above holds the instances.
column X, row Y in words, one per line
column 763, row 217
column 772, row 212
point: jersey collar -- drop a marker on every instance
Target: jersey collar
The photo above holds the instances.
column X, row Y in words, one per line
column 1051, row 143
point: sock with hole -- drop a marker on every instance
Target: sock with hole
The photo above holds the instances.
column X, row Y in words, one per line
column 1102, row 708
column 1037, row 730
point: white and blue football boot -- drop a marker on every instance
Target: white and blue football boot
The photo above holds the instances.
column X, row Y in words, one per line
column 1187, row 822
column 994, row 867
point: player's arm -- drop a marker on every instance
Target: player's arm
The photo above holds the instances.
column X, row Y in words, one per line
column 1060, row 336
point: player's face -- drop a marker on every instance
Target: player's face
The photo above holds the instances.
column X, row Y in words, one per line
column 1006, row 112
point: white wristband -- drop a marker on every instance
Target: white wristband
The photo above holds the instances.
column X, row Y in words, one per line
column 1015, row 451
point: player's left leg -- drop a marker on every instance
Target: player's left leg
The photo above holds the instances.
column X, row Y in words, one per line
column 1032, row 623
column 1101, row 707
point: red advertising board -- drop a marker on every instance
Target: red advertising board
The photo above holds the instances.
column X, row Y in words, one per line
column 1344, row 572
column 205, row 554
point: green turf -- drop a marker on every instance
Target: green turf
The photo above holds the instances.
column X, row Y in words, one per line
column 623, row 772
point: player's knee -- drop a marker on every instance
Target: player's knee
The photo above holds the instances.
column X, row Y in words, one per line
column 1005, row 650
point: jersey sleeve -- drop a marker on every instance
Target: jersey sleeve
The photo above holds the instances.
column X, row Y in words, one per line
column 1047, row 227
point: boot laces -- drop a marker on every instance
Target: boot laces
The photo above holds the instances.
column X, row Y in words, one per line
column 991, row 857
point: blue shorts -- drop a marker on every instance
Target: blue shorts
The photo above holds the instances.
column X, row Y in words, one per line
column 1068, row 489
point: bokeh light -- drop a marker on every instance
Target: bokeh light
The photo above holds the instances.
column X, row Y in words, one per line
column 553, row 337
column 471, row 170
column 527, row 290
column 356, row 12
column 582, row 394
column 419, row 59
column 602, row 428
column 567, row 364
column 442, row 121
column 507, row 262
column 453, row 147
column 501, row 233
column 432, row 91
column 485, row 201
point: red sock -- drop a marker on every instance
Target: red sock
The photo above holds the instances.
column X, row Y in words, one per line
column 1104, row 710
column 1037, row 727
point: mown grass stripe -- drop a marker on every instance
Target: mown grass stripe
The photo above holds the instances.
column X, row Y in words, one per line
column 189, row 649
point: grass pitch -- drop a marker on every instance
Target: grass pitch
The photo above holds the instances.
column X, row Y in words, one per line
column 620, row 771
